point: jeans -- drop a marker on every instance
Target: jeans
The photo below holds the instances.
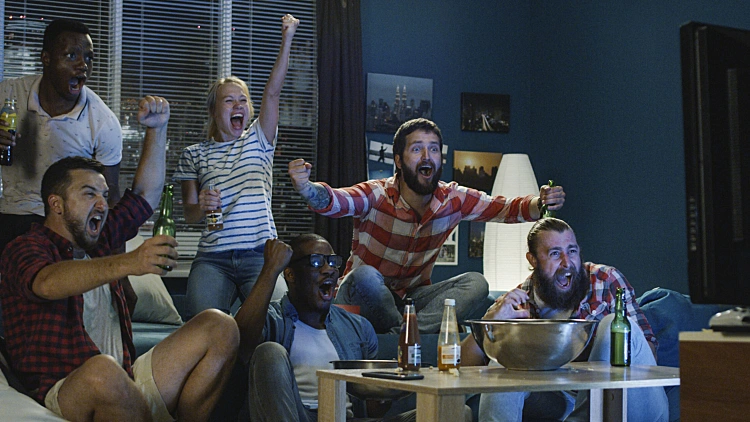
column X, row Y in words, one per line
column 644, row 404
column 272, row 391
column 217, row 278
column 364, row 287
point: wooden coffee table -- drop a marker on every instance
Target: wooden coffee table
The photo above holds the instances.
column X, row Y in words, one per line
column 441, row 396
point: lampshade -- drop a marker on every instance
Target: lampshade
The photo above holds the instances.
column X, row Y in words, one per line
column 505, row 264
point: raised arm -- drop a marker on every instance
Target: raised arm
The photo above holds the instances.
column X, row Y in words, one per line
column 252, row 315
column 153, row 112
column 269, row 107
column 314, row 194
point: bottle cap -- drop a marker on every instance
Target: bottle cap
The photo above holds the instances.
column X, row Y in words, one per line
column 451, row 302
column 409, row 301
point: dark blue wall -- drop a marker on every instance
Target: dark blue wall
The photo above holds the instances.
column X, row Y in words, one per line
column 596, row 101
column 484, row 47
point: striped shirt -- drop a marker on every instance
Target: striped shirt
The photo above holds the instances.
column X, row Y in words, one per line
column 243, row 170
column 600, row 300
column 391, row 237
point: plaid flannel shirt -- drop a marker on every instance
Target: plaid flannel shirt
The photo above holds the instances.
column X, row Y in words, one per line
column 46, row 339
column 600, row 300
column 390, row 236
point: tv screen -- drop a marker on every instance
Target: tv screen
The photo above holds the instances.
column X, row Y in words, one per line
column 716, row 110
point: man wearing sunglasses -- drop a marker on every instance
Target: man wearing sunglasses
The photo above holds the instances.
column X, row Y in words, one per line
column 285, row 342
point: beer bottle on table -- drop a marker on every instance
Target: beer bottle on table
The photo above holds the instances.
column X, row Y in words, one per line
column 409, row 347
column 449, row 346
column 546, row 213
column 165, row 224
column 214, row 218
column 619, row 352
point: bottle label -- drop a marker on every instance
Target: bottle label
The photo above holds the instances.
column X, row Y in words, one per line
column 214, row 218
column 414, row 356
column 450, row 354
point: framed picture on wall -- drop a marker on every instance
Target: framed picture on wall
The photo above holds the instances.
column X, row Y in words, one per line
column 475, row 169
column 448, row 254
column 393, row 99
column 485, row 112
column 380, row 159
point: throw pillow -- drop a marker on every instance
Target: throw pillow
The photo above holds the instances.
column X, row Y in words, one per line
column 154, row 302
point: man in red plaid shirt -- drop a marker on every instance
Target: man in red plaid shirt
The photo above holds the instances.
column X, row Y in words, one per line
column 400, row 224
column 67, row 325
column 562, row 287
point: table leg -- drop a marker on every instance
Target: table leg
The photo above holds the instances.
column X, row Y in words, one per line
column 331, row 400
column 434, row 408
column 609, row 405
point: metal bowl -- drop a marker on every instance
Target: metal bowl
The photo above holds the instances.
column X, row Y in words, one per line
column 532, row 344
column 370, row 392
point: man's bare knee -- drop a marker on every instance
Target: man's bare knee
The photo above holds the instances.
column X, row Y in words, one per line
column 219, row 328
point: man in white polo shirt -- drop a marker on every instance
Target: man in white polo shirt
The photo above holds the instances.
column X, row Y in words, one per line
column 58, row 117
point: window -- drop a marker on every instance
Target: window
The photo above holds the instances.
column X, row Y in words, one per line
column 176, row 50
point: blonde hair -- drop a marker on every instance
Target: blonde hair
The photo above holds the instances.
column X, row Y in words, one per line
column 213, row 129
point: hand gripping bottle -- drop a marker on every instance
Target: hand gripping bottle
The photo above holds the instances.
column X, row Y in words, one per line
column 165, row 224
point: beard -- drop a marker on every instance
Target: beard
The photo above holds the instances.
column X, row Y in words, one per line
column 78, row 231
column 547, row 291
column 412, row 180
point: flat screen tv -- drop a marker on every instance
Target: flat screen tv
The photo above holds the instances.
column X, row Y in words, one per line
column 716, row 111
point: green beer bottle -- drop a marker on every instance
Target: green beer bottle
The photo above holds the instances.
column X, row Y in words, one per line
column 619, row 352
column 545, row 212
column 165, row 224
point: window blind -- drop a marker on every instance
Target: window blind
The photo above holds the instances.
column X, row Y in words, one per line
column 177, row 49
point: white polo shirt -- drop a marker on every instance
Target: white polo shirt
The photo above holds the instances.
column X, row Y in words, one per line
column 90, row 130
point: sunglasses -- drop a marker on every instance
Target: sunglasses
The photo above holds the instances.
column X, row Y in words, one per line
column 317, row 260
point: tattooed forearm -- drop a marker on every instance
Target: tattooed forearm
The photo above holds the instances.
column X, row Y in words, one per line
column 315, row 195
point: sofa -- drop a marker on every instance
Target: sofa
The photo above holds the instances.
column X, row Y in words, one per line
column 161, row 303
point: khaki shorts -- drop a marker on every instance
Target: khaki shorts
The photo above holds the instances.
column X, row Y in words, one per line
column 144, row 380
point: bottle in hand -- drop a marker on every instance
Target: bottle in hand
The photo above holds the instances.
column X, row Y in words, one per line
column 165, row 224
column 409, row 346
column 9, row 116
column 547, row 213
column 619, row 352
column 449, row 345
column 214, row 218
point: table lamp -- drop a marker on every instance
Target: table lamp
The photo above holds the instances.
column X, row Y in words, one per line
column 505, row 264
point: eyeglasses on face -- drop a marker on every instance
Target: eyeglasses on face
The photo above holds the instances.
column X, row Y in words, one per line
column 317, row 260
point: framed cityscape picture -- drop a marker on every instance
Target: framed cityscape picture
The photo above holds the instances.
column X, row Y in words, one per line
column 392, row 100
column 485, row 112
column 476, row 169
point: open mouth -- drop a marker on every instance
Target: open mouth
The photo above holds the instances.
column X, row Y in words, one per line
column 425, row 169
column 237, row 120
column 77, row 83
column 95, row 224
column 564, row 280
column 326, row 289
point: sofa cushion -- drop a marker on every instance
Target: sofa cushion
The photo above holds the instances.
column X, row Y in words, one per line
column 670, row 312
column 154, row 302
column 20, row 407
